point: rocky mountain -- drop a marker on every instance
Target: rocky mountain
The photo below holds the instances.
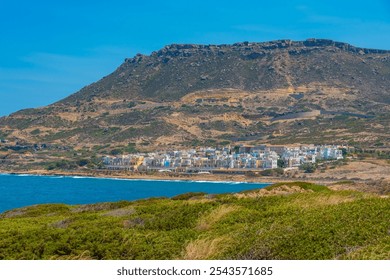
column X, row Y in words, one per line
column 313, row 91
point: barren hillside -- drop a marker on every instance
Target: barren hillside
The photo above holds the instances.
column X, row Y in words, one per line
column 313, row 91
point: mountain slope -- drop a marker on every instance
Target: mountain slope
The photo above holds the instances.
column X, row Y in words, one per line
column 183, row 95
column 177, row 70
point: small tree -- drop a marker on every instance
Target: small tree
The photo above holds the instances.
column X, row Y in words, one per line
column 115, row 152
column 281, row 163
column 308, row 167
column 272, row 172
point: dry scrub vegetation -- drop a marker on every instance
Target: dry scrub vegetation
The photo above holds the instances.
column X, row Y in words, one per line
column 294, row 220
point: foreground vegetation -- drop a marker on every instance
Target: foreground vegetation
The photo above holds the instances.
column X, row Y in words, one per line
column 284, row 221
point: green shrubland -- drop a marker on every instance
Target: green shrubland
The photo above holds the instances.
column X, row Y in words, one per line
column 309, row 222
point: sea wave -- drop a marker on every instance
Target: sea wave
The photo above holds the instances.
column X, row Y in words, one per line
column 20, row 174
column 189, row 181
column 228, row 182
column 84, row 177
column 138, row 179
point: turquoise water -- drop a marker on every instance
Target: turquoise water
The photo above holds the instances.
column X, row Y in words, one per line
column 24, row 190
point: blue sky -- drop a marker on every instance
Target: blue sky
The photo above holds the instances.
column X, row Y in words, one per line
column 50, row 49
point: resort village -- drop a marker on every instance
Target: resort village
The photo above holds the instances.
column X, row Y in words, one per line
column 225, row 159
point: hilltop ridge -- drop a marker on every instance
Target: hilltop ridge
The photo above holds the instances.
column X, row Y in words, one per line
column 178, row 69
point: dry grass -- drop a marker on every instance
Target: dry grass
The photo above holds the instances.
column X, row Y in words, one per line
column 206, row 222
column 14, row 213
column 200, row 200
column 281, row 190
column 92, row 207
column 323, row 201
column 309, row 202
column 86, row 255
column 373, row 169
column 201, row 249
column 380, row 187
column 120, row 212
column 62, row 223
column 375, row 252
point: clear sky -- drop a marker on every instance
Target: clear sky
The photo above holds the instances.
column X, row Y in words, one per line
column 50, row 49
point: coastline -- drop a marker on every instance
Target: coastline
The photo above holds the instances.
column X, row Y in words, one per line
column 48, row 187
column 126, row 175
column 370, row 172
column 372, row 176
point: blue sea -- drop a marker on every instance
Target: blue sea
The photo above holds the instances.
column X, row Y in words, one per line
column 24, row 190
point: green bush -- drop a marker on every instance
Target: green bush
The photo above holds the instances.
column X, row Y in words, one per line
column 272, row 172
column 116, row 152
column 186, row 196
column 316, row 224
column 62, row 164
column 308, row 167
column 82, row 162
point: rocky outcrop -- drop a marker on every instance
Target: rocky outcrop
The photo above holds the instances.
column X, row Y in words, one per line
column 247, row 48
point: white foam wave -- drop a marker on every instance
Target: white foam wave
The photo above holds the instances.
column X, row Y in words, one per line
column 139, row 179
